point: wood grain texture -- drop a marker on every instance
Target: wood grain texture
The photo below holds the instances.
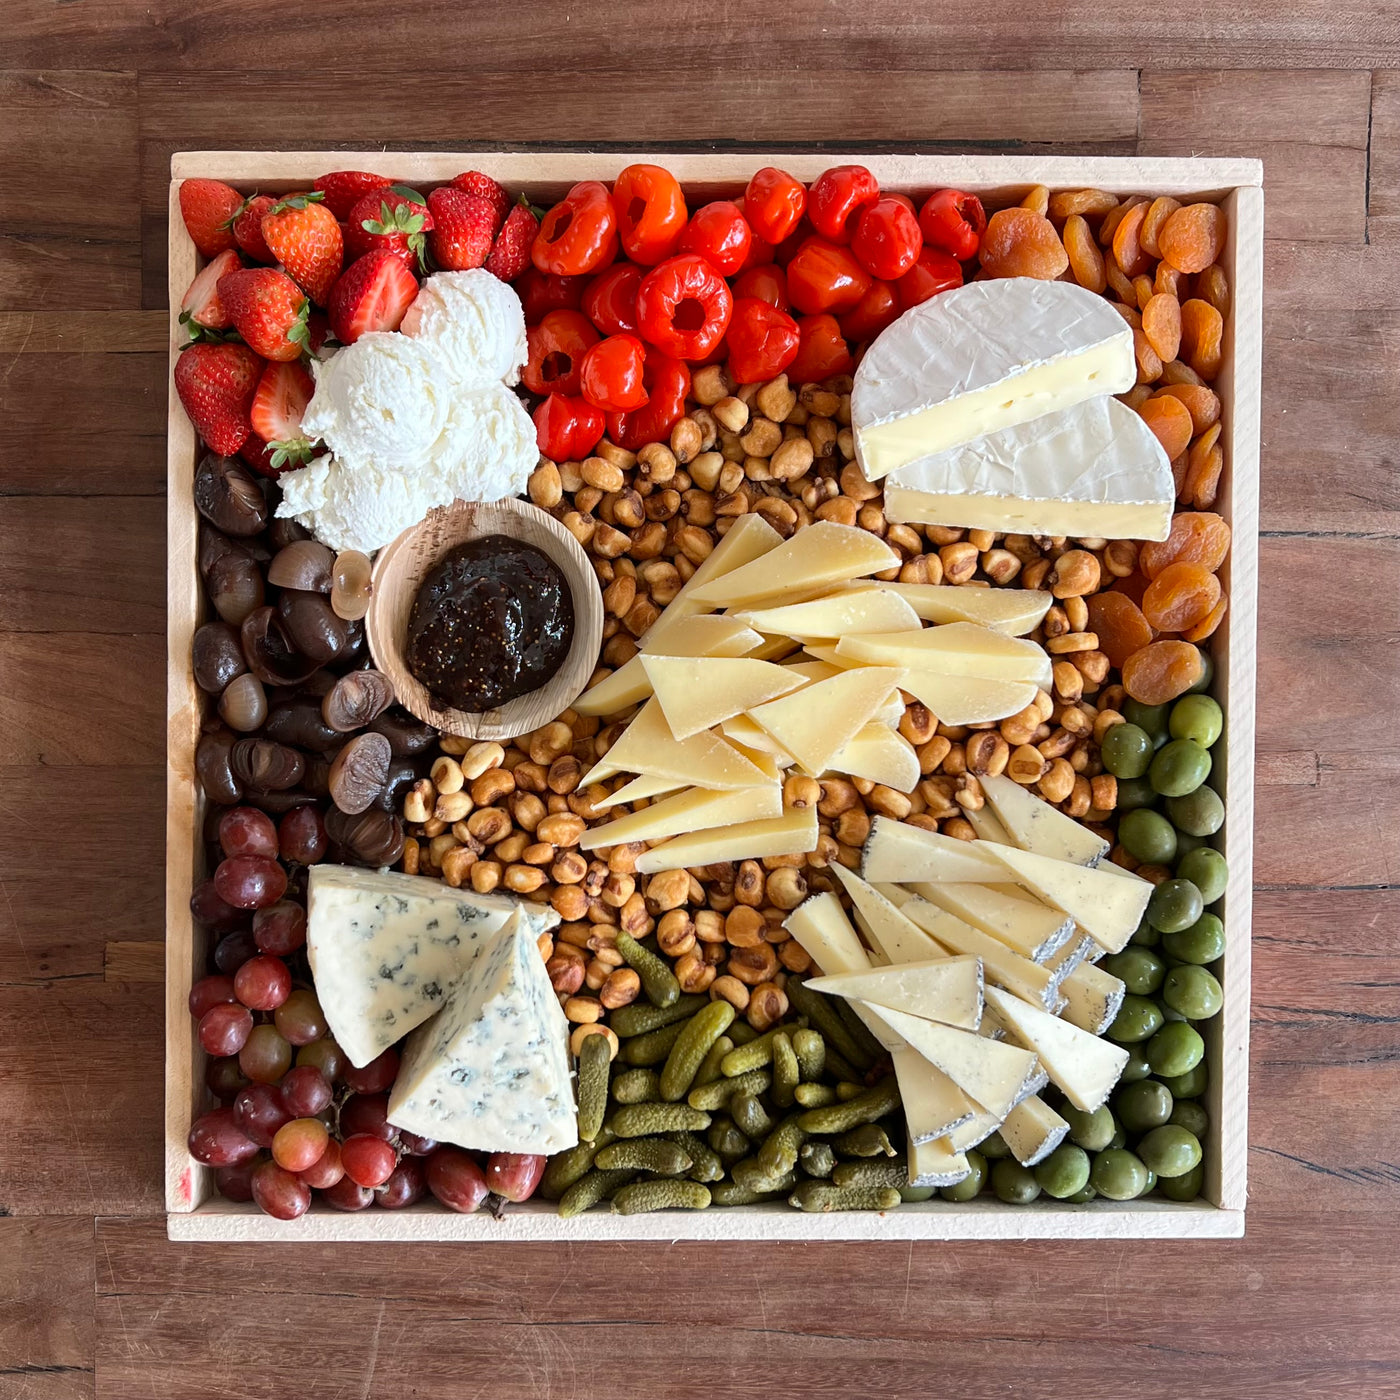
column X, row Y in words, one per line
column 1385, row 158
column 46, row 1316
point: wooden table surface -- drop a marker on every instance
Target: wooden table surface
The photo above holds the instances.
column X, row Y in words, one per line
column 94, row 96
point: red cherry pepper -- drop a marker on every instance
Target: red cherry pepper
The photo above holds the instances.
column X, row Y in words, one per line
column 878, row 308
column 579, row 234
column 824, row 277
column 611, row 299
column 953, row 222
column 773, row 203
column 887, row 242
column 557, row 347
column 611, row 375
column 542, row 292
column 667, row 380
column 933, row 273
column 651, row 213
column 837, row 199
column 567, row 430
column 767, row 283
column 720, row 234
column 683, row 307
column 823, row 351
column 903, row 199
column 760, row 249
column 763, row 341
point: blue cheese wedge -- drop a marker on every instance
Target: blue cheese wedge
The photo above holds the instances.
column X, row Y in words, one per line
column 385, row 948
column 491, row 1070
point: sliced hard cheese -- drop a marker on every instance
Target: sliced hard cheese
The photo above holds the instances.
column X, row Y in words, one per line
column 702, row 635
column 1014, row 611
column 943, row 989
column 1034, row 930
column 793, row 833
column 813, row 670
column 747, row 734
column 697, row 809
column 817, row 722
column 697, row 693
column 637, row 790
column 1034, row 825
column 1033, row 1130
column 879, row 753
column 823, row 932
column 981, row 358
column 898, row 853
column 937, row 1164
column 1077, row 950
column 822, row 554
column 648, row 746
column 968, row 699
column 1083, row 1067
column 933, row 1105
column 1107, row 907
column 866, row 611
column 892, row 933
column 1093, row 998
column 773, row 648
column 957, row 649
column 982, row 1125
column 987, row 824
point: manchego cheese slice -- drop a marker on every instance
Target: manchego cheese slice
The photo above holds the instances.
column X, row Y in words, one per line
column 697, row 693
column 1014, row 611
column 793, row 833
column 647, row 746
column 814, row 724
column 696, row 809
column 958, row 649
column 868, row 611
column 968, row 699
column 881, row 754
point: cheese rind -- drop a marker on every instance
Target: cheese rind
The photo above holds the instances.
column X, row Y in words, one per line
column 933, row 1105
column 942, row 989
column 697, row 693
column 1033, row 1130
column 814, row 724
column 793, row 833
column 1014, row 611
column 1034, row 825
column 1093, row 997
column 1032, row 929
column 935, row 1163
column 696, row 809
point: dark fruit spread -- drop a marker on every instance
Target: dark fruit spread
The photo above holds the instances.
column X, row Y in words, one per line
column 492, row 622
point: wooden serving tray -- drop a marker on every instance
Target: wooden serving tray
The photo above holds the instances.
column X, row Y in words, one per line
column 196, row 1212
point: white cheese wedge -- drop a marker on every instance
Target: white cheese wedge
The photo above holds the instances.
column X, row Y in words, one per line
column 898, row 853
column 1033, row 1130
column 981, row 358
column 1014, row 611
column 954, row 649
column 637, row 790
column 385, row 948
column 695, row 809
column 696, row 693
column 1032, row 929
column 894, row 935
column 1034, row 825
column 866, row 611
column 1082, row 1066
column 1064, row 960
column 753, row 738
column 1094, row 470
column 941, row 989
column 1092, row 996
column 817, row 722
column 823, row 554
column 793, row 833
column 647, row 746
column 987, row 824
column 980, row 1127
column 933, row 1105
column 824, row 933
column 1107, row 907
column 967, row 699
column 881, row 754
column 491, row 1070
column 937, row 1164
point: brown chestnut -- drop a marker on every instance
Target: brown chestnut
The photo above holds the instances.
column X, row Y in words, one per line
column 356, row 699
column 370, row 838
column 269, row 766
column 303, row 564
column 299, row 722
column 283, row 531
column 314, row 629
column 243, row 705
column 271, row 655
column 213, row 762
column 407, row 736
column 233, row 580
column 217, row 656
column 359, row 772
column 228, row 496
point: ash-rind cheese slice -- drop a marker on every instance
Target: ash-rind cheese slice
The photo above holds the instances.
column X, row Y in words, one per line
column 1034, row 825
column 981, row 358
column 385, row 948
column 491, row 1070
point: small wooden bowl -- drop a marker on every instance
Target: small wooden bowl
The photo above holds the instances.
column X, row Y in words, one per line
column 399, row 572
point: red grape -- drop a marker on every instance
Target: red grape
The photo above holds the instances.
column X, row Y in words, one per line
column 417, row 1146
column 303, row 835
column 211, row 909
column 280, row 928
column 245, row 831
column 214, row 990
column 236, row 1182
column 261, row 1112
column 325, row 1055
column 224, row 1029
column 250, row 882
column 375, row 1077
column 405, row 1186
column 263, row 983
column 217, row 1139
column 225, row 1077
column 300, row 1018
column 282, row 1195
column 514, row 1175
column 346, row 1194
column 234, row 949
column 299, row 1144
column 370, row 1161
column 456, row 1180
column 305, row 1091
column 367, row 1113
column 266, row 1057
column 326, row 1170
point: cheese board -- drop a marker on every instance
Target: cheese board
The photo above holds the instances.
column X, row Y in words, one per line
column 971, row 962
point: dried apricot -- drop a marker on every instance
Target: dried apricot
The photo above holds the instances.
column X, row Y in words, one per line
column 1209, row 623
column 1020, row 243
column 1193, row 237
column 1203, row 404
column 1170, row 280
column 1076, row 203
column 1170, row 421
column 1127, row 250
column 1085, row 259
column 1179, row 465
column 1161, row 324
column 1143, row 290
column 1211, row 286
column 1118, row 623
column 1037, row 199
column 1197, row 537
column 1204, row 465
column 1129, row 313
column 1136, row 396
column 1133, row 586
column 1202, row 330
column 1180, row 596
column 1115, row 216
column 1174, row 372
column 1162, row 671
column 1121, row 283
column 1149, row 364
column 1158, row 212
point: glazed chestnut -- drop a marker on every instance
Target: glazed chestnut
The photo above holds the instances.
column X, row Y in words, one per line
column 232, row 579
column 299, row 722
column 317, row 778
column 243, row 705
column 282, row 532
column 304, row 565
column 403, row 773
column 314, row 629
column 228, row 496
column 277, row 802
column 356, row 699
column 271, row 655
column 213, row 761
column 266, row 766
column 372, row 838
column 217, row 656
column 359, row 772
column 406, row 735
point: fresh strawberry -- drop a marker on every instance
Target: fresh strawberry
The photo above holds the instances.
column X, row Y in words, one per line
column 282, row 394
column 372, row 294
column 484, row 187
column 392, row 219
column 510, row 254
column 258, row 455
column 318, row 331
column 464, row 228
column 207, row 206
column 268, row 310
column 216, row 384
column 305, row 238
column 247, row 228
column 343, row 189
column 200, row 307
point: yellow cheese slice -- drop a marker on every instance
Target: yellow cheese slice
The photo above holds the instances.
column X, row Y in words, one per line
column 793, row 833
column 636, row 790
column 1014, row 611
column 826, row 651
column 881, row 754
column 898, row 853
column 1033, row 1130
column 957, row 649
column 824, row 933
column 968, row 699
column 696, row 809
column 867, row 611
column 933, row 1105
column 1093, row 998
column 696, row 693
column 817, row 722
column 892, row 932
column 1032, row 929
column 1034, row 825
column 942, row 989
column 987, row 824
column 750, row 736
column 773, row 648
column 981, row 1126
column 812, row 670
column 647, row 746
column 936, row 1163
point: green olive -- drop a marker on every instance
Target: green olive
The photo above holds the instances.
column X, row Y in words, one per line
column 1197, row 717
column 1190, row 1085
column 1145, row 936
column 1147, row 835
column 1185, row 1187
column 1174, row 905
column 993, row 1148
column 1137, row 1019
column 1134, row 792
column 1207, row 673
column 1139, row 969
column 1185, row 842
column 1174, row 1050
column 1092, row 1131
column 1193, row 991
column 1190, row 1116
column 1155, row 720
column 1207, row 870
column 970, row 1187
column 1202, row 943
column 1118, row 1174
column 1064, row 1172
column 1080, row 1197
column 1119, row 1138
column 1013, row 1183
column 1146, row 1104
column 1179, row 767
column 1126, row 751
column 1169, row 1150
column 1199, row 813
column 1137, row 1066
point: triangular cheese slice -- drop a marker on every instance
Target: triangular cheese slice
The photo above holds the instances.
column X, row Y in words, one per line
column 746, row 734
column 959, row 700
column 981, row 1126
column 942, row 989
column 824, row 933
column 935, row 1163
column 897, row 853
column 933, row 1105
column 794, row 833
column 893, row 934
column 987, row 825
column 957, row 649
column 868, row 611
column 696, row 809
column 1014, row 611
column 648, row 746
column 1033, row 1130
column 881, row 754
column 1034, row 825
column 817, row 722
column 696, row 693
column 1032, row 929
column 1093, row 998
column 638, row 789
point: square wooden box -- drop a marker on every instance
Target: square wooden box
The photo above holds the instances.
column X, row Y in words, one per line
column 196, row 1212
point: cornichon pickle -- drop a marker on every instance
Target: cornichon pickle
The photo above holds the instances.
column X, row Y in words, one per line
column 730, row 1193
column 750, row 1116
column 705, row 1164
column 658, row 981
column 639, row 1085
column 837, row 1068
column 751, row 1175
column 822, row 1015
column 868, row 1140
column 811, row 1052
column 692, row 1045
column 866, row 1108
column 642, row 1119
column 594, row 1062
column 645, row 1155
column 871, row 1172
column 860, row 1032
column 590, row 1189
column 643, row 1196
column 741, row 1033
column 652, row 1047
column 779, row 1151
column 640, row 1017
column 569, row 1167
column 816, row 1158
column 754, row 1055
column 849, row 1089
column 728, row 1141
column 709, row 1069
column 819, row 1197
column 718, row 1094
column 806, row 1095
column 786, row 1072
